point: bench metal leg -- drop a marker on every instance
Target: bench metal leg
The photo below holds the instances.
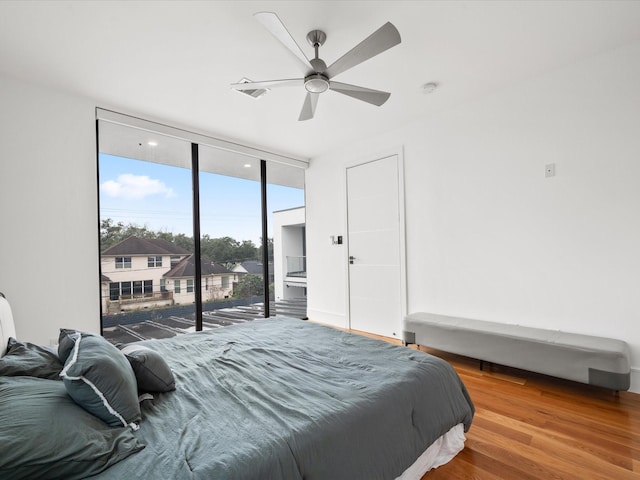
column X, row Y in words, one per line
column 482, row 365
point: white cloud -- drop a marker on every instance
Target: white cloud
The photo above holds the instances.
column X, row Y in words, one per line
column 135, row 187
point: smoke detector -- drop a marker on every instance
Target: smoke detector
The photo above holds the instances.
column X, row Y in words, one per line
column 428, row 88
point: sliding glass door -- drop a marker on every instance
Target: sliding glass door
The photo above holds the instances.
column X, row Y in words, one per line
column 287, row 247
column 230, row 228
column 187, row 235
column 146, row 234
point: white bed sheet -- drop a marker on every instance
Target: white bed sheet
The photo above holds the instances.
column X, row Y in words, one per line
column 440, row 452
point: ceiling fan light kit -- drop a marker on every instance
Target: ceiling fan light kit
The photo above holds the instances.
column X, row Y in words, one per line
column 316, row 83
column 319, row 77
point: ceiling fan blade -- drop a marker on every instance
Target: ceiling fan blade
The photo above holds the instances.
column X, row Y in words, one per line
column 268, row 84
column 382, row 39
column 375, row 97
column 309, row 106
column 272, row 22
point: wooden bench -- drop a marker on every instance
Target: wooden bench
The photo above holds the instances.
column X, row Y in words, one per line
column 604, row 362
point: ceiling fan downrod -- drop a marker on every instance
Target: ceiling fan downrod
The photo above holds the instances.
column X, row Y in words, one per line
column 316, row 38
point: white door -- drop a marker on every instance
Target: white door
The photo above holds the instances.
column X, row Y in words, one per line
column 376, row 287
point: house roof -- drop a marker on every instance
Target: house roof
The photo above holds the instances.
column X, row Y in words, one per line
column 186, row 268
column 250, row 266
column 145, row 246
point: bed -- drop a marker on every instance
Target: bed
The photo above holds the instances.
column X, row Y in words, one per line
column 278, row 398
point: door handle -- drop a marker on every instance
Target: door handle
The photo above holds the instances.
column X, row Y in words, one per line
column 351, row 259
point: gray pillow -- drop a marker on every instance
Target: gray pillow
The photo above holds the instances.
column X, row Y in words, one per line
column 99, row 378
column 24, row 358
column 152, row 372
column 44, row 434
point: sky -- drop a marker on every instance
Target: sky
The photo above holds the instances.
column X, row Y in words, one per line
column 160, row 197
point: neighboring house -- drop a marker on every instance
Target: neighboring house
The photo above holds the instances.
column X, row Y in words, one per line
column 148, row 272
column 217, row 281
column 289, row 251
column 252, row 267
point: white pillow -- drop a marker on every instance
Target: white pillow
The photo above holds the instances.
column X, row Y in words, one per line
column 7, row 328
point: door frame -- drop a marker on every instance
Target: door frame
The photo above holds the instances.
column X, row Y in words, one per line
column 369, row 158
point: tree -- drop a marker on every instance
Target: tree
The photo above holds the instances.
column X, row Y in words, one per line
column 112, row 233
column 248, row 286
column 269, row 249
column 180, row 239
column 109, row 232
column 225, row 250
column 247, row 250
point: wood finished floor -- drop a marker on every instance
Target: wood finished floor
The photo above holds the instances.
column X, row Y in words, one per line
column 530, row 426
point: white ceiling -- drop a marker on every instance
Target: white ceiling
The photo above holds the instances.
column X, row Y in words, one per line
column 174, row 61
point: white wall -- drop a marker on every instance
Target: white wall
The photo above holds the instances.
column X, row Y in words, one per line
column 48, row 211
column 488, row 236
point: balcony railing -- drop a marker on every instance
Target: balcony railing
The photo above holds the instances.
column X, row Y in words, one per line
column 297, row 267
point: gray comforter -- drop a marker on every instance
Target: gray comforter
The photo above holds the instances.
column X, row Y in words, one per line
column 286, row 399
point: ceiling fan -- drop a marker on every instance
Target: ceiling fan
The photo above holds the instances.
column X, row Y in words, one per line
column 319, row 77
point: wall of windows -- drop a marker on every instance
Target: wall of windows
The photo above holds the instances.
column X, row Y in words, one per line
column 186, row 229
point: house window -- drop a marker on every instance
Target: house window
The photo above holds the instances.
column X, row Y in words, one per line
column 125, row 288
column 154, row 262
column 114, row 291
column 123, row 262
column 163, row 285
column 190, row 285
column 176, row 286
column 225, row 281
column 175, row 259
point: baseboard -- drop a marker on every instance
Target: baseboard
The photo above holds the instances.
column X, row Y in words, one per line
column 328, row 318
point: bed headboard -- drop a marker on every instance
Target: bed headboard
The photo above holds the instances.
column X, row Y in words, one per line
column 7, row 328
